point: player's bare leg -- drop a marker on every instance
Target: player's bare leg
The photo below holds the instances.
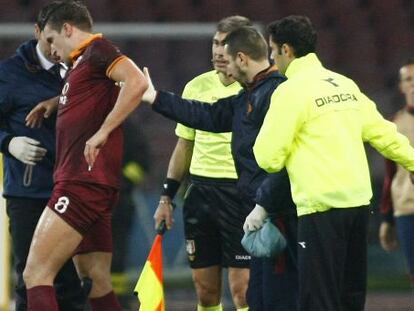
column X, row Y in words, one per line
column 54, row 242
column 238, row 281
column 97, row 266
column 207, row 282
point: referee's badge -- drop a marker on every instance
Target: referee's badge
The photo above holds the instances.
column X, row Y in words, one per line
column 190, row 248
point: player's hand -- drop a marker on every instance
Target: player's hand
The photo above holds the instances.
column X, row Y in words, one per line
column 93, row 146
column 164, row 212
column 26, row 150
column 41, row 111
column 388, row 236
column 255, row 220
column 150, row 94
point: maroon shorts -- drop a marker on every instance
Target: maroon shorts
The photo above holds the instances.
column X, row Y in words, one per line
column 88, row 209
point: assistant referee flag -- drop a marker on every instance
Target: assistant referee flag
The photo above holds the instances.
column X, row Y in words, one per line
column 150, row 283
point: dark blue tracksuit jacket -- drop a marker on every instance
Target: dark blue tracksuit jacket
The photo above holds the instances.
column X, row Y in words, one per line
column 243, row 115
column 23, row 84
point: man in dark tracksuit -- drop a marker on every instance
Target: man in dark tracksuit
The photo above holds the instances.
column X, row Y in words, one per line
column 27, row 78
column 271, row 287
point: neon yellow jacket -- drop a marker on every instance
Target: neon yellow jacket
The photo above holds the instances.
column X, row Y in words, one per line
column 316, row 126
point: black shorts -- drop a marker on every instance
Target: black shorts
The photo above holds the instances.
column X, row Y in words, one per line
column 214, row 214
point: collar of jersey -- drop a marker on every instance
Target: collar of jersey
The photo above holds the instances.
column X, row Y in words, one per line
column 261, row 76
column 81, row 48
column 301, row 63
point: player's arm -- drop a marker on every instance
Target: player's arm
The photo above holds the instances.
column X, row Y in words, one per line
column 384, row 137
column 134, row 86
column 180, row 160
column 217, row 117
column 283, row 120
column 42, row 111
column 387, row 230
column 178, row 168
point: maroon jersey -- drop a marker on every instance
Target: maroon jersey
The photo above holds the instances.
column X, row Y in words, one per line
column 87, row 98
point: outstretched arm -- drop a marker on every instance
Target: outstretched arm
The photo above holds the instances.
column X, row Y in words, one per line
column 216, row 117
column 384, row 137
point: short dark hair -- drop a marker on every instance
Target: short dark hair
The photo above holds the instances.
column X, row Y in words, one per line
column 70, row 11
column 295, row 30
column 44, row 13
column 247, row 40
column 231, row 23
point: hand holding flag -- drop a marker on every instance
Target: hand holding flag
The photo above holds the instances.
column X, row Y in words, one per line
column 149, row 288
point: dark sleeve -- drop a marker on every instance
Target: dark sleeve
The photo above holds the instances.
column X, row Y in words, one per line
column 217, row 117
column 274, row 194
column 5, row 106
column 386, row 206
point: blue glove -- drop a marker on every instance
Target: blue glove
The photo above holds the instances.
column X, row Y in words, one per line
column 268, row 241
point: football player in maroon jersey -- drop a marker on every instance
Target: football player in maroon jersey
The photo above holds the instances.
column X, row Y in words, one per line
column 77, row 220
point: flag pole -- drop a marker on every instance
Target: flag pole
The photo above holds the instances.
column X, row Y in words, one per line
column 150, row 284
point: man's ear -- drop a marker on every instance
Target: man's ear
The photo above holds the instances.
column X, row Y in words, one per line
column 67, row 29
column 288, row 50
column 243, row 59
column 36, row 32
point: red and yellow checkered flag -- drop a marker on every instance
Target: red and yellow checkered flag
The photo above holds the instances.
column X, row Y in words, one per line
column 149, row 287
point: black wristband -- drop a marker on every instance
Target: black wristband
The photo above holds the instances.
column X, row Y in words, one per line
column 170, row 187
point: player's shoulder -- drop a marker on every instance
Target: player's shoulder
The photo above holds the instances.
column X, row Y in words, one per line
column 100, row 42
column 102, row 46
column 342, row 80
column 343, row 77
column 209, row 77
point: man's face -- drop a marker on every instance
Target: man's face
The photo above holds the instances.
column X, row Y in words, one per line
column 59, row 43
column 234, row 67
column 45, row 46
column 277, row 56
column 217, row 50
column 407, row 80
